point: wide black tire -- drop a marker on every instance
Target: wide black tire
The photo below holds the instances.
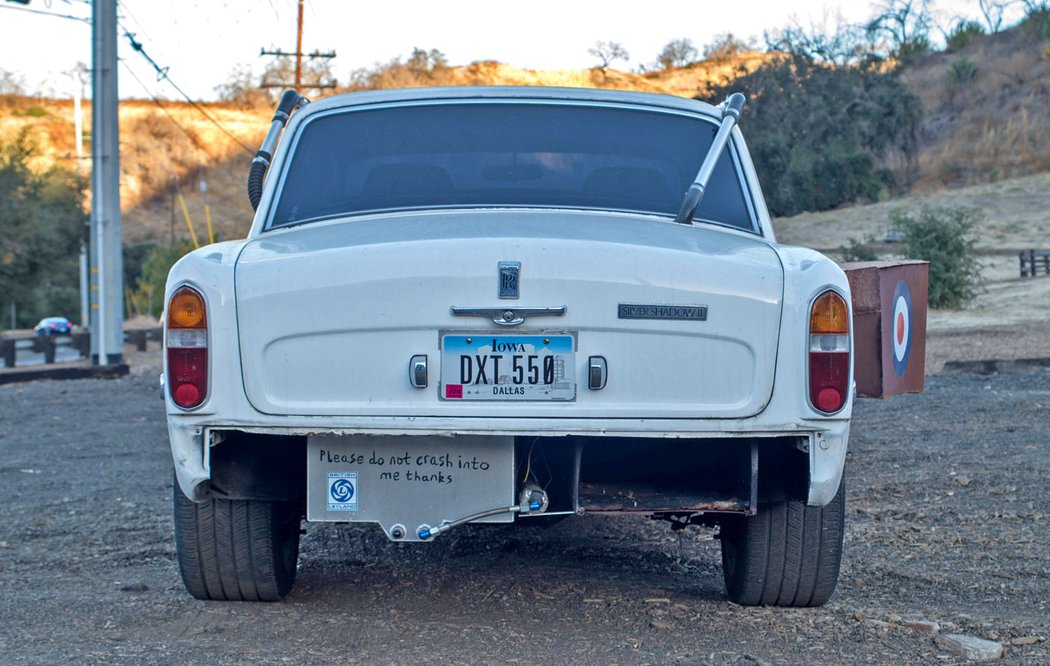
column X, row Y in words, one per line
column 236, row 550
column 788, row 554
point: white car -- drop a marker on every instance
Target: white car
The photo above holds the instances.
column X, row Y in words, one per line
column 507, row 304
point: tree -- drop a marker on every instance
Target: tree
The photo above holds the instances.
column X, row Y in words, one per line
column 607, row 52
column 11, row 83
column 421, row 68
column 818, row 133
column 316, row 74
column 1037, row 18
column 424, row 63
column 725, row 46
column 992, row 11
column 906, row 24
column 677, row 53
column 962, row 34
column 42, row 223
column 242, row 89
column 834, row 41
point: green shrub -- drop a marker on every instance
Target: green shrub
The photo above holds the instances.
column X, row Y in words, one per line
column 819, row 134
column 859, row 250
column 149, row 286
column 944, row 237
column 42, row 222
column 963, row 33
column 960, row 74
column 1037, row 20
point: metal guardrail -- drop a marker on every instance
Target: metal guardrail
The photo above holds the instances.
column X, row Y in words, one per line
column 49, row 345
column 1034, row 261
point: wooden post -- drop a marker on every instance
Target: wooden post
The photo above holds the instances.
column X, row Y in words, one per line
column 49, row 349
column 138, row 338
column 82, row 343
column 8, row 347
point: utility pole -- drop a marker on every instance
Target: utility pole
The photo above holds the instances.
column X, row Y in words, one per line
column 298, row 60
column 299, row 51
column 107, row 312
column 78, row 128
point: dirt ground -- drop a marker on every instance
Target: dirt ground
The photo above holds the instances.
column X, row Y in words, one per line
column 947, row 516
column 947, row 521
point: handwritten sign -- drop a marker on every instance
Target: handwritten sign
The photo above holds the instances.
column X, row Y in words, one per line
column 433, row 467
column 410, row 481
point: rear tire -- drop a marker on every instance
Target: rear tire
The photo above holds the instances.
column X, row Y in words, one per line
column 788, row 554
column 236, row 550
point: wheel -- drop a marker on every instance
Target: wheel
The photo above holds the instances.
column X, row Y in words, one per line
column 788, row 554
column 236, row 550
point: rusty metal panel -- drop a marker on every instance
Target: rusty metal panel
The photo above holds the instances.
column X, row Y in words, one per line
column 889, row 326
column 646, row 498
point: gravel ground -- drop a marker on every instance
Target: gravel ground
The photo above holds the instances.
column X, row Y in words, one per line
column 947, row 521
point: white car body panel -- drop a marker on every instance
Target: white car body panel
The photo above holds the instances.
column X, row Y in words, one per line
column 315, row 297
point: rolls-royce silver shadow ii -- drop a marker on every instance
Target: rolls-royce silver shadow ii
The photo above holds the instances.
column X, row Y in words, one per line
column 503, row 305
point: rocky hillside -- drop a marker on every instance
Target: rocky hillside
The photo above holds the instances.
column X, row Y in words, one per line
column 985, row 110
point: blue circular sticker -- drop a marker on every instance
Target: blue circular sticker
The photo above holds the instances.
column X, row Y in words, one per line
column 342, row 490
column 900, row 328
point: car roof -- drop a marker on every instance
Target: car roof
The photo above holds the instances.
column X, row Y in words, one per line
column 510, row 94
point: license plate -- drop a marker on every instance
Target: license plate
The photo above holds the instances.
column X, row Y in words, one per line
column 508, row 367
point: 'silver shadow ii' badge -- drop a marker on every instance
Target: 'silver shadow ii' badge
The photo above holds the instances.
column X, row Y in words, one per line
column 644, row 311
column 509, row 272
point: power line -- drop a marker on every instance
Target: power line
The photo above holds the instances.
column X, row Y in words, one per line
column 163, row 108
column 162, row 75
column 43, row 13
column 127, row 10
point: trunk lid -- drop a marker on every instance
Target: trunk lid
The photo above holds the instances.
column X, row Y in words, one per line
column 330, row 314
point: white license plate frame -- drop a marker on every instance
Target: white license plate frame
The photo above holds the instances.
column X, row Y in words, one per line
column 508, row 367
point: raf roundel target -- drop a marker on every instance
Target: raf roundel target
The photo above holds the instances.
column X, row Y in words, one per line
column 901, row 327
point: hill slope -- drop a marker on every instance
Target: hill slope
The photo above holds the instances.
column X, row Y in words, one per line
column 984, row 121
column 985, row 109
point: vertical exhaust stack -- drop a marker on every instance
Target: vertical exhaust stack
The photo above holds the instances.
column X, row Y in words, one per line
column 290, row 101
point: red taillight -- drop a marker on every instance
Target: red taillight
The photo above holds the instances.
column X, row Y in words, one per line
column 186, row 340
column 829, row 361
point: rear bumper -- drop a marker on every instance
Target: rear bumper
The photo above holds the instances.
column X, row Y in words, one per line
column 824, row 441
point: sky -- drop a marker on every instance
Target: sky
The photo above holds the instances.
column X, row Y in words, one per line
column 203, row 42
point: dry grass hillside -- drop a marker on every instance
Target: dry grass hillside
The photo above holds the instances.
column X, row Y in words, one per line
column 985, row 110
column 164, row 153
column 985, row 122
column 682, row 81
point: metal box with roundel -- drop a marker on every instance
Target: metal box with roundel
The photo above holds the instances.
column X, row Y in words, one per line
column 889, row 321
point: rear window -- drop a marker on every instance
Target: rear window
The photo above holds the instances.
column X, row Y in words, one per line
column 504, row 155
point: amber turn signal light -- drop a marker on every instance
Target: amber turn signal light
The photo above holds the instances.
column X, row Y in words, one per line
column 829, row 315
column 186, row 309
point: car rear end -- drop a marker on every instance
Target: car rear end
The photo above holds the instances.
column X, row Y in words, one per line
column 410, row 342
